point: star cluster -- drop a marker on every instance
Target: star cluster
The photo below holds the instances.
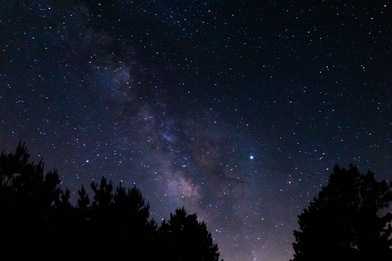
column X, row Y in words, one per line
column 237, row 110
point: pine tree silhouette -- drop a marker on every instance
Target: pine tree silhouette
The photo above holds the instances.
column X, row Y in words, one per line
column 39, row 220
column 184, row 238
column 83, row 200
column 28, row 200
column 345, row 222
column 130, row 214
column 103, row 194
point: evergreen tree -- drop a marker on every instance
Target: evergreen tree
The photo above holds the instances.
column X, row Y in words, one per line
column 38, row 219
column 184, row 238
column 130, row 213
column 103, row 194
column 24, row 185
column 28, row 202
column 346, row 221
column 83, row 200
column 119, row 223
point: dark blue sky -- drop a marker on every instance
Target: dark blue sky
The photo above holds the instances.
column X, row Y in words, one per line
column 237, row 110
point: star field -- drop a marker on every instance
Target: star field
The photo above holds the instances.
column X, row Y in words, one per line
column 237, row 110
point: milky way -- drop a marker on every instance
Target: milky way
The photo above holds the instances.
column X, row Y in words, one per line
column 237, row 111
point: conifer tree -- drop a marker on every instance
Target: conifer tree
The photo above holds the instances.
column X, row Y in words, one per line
column 38, row 218
column 183, row 237
column 83, row 200
column 103, row 193
column 28, row 200
column 346, row 221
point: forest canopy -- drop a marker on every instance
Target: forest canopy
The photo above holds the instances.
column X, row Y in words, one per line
column 39, row 221
column 349, row 220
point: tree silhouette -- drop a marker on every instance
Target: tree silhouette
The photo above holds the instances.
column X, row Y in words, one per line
column 83, row 200
column 38, row 219
column 130, row 214
column 129, row 207
column 24, row 184
column 346, row 221
column 103, row 194
column 184, row 238
column 28, row 200
column 115, row 222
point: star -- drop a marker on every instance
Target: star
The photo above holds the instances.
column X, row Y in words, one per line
column 180, row 97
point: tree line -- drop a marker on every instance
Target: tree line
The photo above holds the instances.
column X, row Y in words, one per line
column 351, row 219
column 38, row 220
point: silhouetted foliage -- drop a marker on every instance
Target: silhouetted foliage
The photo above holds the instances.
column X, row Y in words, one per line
column 346, row 221
column 28, row 199
column 103, row 194
column 37, row 215
column 184, row 238
column 83, row 200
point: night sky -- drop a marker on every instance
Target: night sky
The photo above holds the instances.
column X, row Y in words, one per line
column 237, row 110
